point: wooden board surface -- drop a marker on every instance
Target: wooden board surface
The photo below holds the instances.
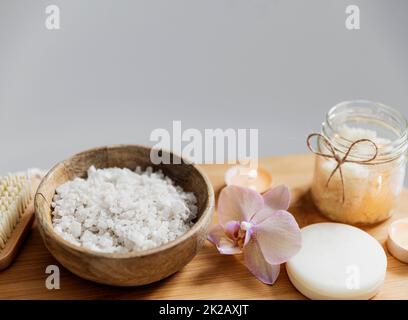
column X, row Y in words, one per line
column 209, row 275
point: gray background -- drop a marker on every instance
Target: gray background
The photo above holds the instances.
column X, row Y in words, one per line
column 119, row 69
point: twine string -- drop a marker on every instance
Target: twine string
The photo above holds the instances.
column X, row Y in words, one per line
column 340, row 160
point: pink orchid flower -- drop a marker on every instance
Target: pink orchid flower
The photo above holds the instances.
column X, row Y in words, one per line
column 257, row 226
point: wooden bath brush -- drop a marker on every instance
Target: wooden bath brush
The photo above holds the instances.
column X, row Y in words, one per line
column 16, row 212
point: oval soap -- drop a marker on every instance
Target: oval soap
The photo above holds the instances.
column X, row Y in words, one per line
column 337, row 261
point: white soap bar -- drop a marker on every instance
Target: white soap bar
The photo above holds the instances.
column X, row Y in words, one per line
column 337, row 261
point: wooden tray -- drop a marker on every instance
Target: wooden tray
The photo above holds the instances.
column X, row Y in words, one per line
column 210, row 275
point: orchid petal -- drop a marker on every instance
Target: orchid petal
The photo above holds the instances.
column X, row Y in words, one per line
column 262, row 215
column 232, row 229
column 278, row 237
column 224, row 244
column 256, row 263
column 277, row 198
column 238, row 204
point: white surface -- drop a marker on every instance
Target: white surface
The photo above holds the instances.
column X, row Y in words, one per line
column 337, row 261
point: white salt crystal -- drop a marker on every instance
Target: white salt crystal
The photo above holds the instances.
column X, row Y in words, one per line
column 355, row 133
column 75, row 229
column 364, row 148
column 118, row 210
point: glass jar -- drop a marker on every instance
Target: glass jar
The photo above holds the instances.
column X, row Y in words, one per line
column 363, row 186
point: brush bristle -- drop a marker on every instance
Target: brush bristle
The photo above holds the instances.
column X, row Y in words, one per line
column 15, row 196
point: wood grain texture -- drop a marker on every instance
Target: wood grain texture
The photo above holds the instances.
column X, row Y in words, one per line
column 209, row 275
column 131, row 268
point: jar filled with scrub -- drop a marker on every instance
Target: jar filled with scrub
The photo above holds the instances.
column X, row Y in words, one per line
column 361, row 155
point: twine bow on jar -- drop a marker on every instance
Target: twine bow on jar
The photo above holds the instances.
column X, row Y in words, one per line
column 335, row 154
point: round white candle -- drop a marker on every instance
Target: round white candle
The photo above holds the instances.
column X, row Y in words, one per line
column 337, row 261
column 256, row 179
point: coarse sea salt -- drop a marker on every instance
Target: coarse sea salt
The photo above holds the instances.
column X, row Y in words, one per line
column 119, row 210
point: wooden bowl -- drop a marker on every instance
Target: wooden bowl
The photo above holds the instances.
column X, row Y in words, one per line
column 125, row 269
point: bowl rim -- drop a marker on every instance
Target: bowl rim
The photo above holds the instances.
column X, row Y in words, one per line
column 47, row 227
